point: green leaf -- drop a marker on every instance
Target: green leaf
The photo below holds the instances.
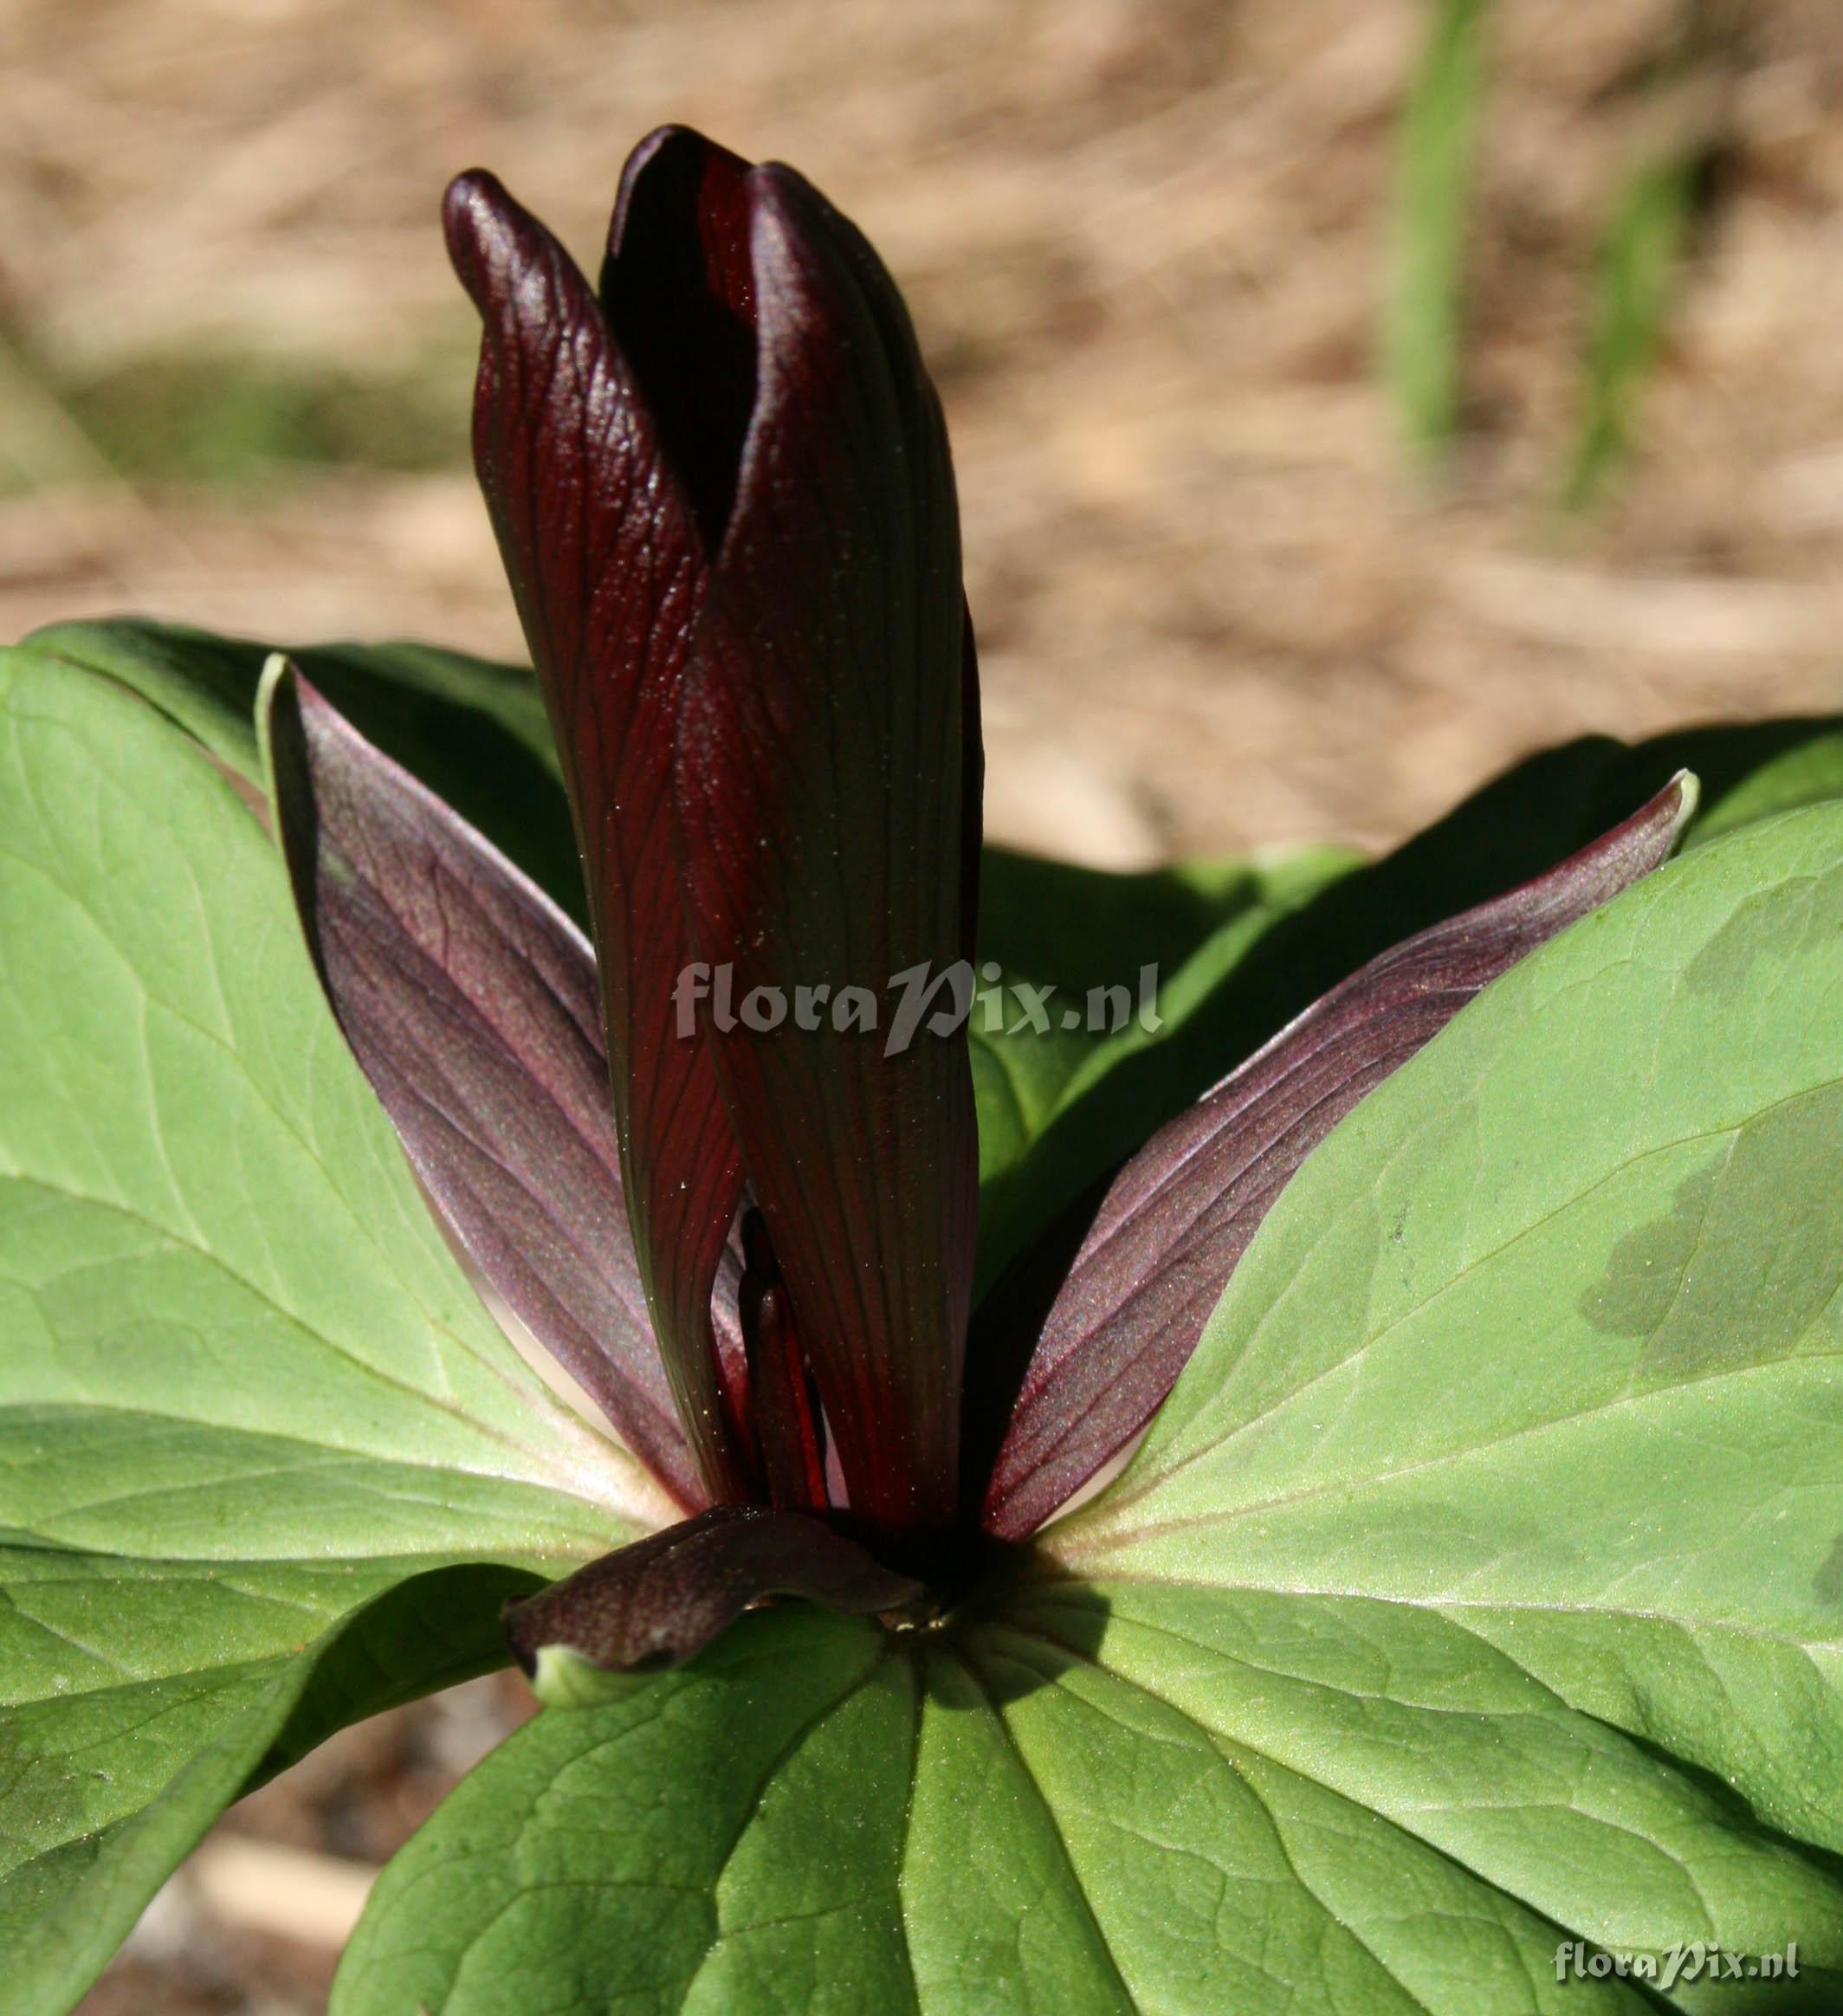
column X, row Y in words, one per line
column 1103, row 1800
column 1544, row 1341
column 174, row 1098
column 995, row 1915
column 1423, row 344
column 142, row 1698
column 1477, row 1591
column 244, row 1388
column 724, row 1838
column 1807, row 773
column 1278, row 1801
column 475, row 732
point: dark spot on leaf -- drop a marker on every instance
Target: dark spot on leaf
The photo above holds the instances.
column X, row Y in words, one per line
column 1772, row 925
column 1827, row 1582
column 1743, row 1268
column 1645, row 1274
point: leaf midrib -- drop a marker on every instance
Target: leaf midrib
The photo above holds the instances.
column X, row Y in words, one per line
column 1440, row 1605
column 1058, row 1646
column 393, row 1382
column 146, row 997
column 989, row 1706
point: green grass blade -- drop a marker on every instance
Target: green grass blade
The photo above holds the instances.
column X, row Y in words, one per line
column 1423, row 326
column 1637, row 263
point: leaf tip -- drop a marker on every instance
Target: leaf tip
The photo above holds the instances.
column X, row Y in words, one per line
column 278, row 725
column 1687, row 789
column 562, row 1677
column 276, row 668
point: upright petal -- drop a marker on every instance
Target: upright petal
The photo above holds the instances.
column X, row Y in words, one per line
column 1181, row 1214
column 823, row 787
column 607, row 572
column 678, row 289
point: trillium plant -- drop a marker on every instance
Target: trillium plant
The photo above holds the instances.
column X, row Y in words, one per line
column 1264, row 1436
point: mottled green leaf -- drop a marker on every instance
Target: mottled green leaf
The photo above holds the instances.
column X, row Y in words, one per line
column 244, row 1388
column 140, row 1698
column 1806, row 773
column 1545, row 1338
column 1476, row 1592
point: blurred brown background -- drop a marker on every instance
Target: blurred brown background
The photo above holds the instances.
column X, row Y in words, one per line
column 1221, row 602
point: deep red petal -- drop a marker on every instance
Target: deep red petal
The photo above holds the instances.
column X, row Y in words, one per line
column 823, row 803
column 656, row 1603
column 1180, row 1216
column 792, row 1457
column 607, row 572
column 677, row 287
column 972, row 792
column 469, row 1000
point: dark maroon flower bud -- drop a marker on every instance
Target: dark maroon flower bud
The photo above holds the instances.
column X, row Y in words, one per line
column 722, row 491
column 721, row 488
